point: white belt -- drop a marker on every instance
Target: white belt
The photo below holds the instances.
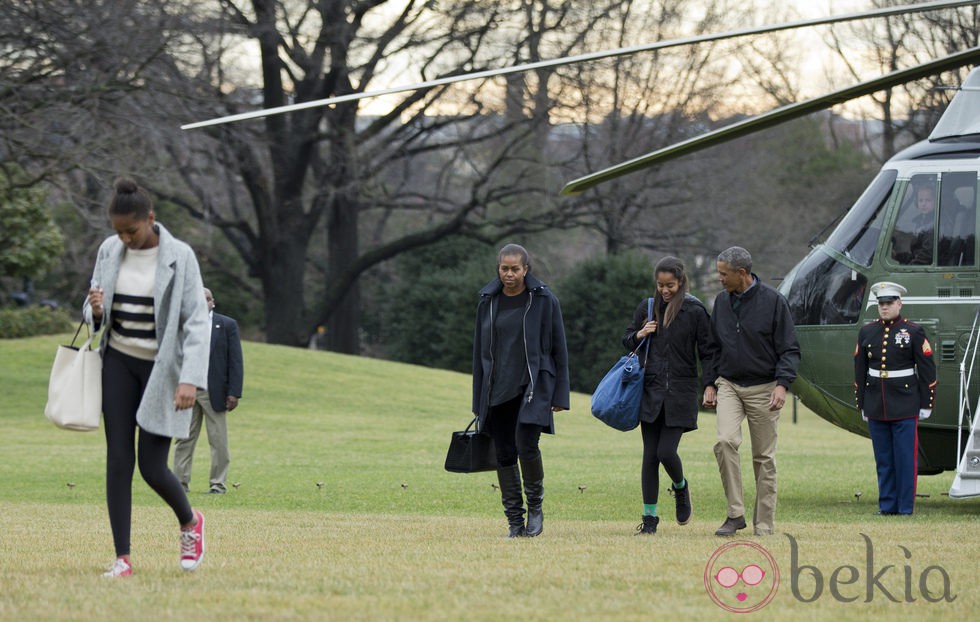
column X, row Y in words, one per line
column 884, row 373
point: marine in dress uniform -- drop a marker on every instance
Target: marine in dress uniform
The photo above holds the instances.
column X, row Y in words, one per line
column 895, row 386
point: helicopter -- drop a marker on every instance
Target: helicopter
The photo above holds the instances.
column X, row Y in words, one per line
column 828, row 290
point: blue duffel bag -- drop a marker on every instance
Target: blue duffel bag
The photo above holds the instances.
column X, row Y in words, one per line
column 617, row 400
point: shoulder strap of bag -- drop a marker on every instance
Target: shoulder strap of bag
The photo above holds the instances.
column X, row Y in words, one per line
column 646, row 351
column 649, row 317
column 646, row 340
column 77, row 331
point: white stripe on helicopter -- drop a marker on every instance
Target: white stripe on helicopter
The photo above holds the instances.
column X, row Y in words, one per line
column 934, row 300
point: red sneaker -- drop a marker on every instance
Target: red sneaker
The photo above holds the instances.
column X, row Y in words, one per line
column 120, row 568
column 192, row 544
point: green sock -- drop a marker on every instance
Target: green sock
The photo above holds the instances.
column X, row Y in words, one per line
column 680, row 484
column 649, row 509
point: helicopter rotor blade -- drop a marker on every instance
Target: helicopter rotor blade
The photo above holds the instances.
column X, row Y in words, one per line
column 568, row 60
column 774, row 117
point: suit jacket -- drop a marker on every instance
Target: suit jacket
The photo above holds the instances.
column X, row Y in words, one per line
column 225, row 368
column 181, row 316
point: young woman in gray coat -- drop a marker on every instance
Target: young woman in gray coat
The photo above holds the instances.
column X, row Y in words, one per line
column 679, row 335
column 520, row 379
column 147, row 292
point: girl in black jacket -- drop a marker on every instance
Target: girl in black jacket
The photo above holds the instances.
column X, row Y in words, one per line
column 679, row 335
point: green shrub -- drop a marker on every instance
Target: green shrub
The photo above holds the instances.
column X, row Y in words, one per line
column 427, row 316
column 31, row 321
column 597, row 302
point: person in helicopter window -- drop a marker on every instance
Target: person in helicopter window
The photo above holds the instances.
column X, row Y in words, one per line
column 894, row 387
column 923, row 226
column 912, row 238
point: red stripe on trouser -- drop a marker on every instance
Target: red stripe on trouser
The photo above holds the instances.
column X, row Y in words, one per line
column 915, row 464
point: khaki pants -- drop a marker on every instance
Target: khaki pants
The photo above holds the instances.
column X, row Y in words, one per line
column 736, row 404
column 217, row 438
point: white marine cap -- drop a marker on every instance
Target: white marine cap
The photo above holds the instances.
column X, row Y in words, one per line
column 886, row 290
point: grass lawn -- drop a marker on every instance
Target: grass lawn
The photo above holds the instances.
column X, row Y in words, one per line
column 339, row 509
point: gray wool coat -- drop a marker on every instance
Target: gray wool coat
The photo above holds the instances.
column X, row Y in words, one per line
column 182, row 327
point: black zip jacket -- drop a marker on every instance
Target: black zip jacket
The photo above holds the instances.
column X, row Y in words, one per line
column 756, row 345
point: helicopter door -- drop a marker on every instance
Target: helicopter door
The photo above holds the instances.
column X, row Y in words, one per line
column 957, row 219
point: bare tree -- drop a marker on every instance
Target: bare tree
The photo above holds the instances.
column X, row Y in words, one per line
column 67, row 68
column 907, row 113
column 636, row 104
column 311, row 200
column 77, row 79
column 412, row 174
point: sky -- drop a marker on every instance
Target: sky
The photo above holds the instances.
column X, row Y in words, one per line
column 814, row 56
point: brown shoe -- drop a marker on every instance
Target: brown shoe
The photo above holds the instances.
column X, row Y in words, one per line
column 730, row 526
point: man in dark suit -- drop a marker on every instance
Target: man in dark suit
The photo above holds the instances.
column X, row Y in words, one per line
column 225, row 373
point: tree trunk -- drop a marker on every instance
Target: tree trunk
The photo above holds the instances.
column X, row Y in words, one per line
column 344, row 323
column 282, row 282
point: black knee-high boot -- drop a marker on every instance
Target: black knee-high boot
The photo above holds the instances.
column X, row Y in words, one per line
column 533, row 473
column 512, row 498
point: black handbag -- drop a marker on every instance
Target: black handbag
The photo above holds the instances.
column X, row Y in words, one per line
column 471, row 450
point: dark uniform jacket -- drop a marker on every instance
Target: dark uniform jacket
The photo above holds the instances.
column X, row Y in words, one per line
column 757, row 344
column 545, row 352
column 888, row 347
column 671, row 367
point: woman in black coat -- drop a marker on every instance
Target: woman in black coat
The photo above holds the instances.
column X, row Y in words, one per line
column 520, row 379
column 679, row 334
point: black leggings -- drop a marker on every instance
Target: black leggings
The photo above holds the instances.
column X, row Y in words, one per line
column 511, row 438
column 123, row 382
column 659, row 447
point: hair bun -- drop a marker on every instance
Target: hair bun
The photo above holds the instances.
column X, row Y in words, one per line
column 125, row 185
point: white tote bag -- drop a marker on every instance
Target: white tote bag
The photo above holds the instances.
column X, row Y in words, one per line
column 75, row 387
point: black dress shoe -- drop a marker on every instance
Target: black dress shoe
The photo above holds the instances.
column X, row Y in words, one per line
column 884, row 513
column 730, row 526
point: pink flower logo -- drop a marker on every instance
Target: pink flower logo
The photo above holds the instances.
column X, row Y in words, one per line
column 741, row 577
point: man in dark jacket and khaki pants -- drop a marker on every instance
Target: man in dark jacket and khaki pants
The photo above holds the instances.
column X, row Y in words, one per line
column 756, row 361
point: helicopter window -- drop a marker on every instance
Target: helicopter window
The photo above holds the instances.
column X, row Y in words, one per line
column 957, row 219
column 913, row 239
column 857, row 234
column 825, row 291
